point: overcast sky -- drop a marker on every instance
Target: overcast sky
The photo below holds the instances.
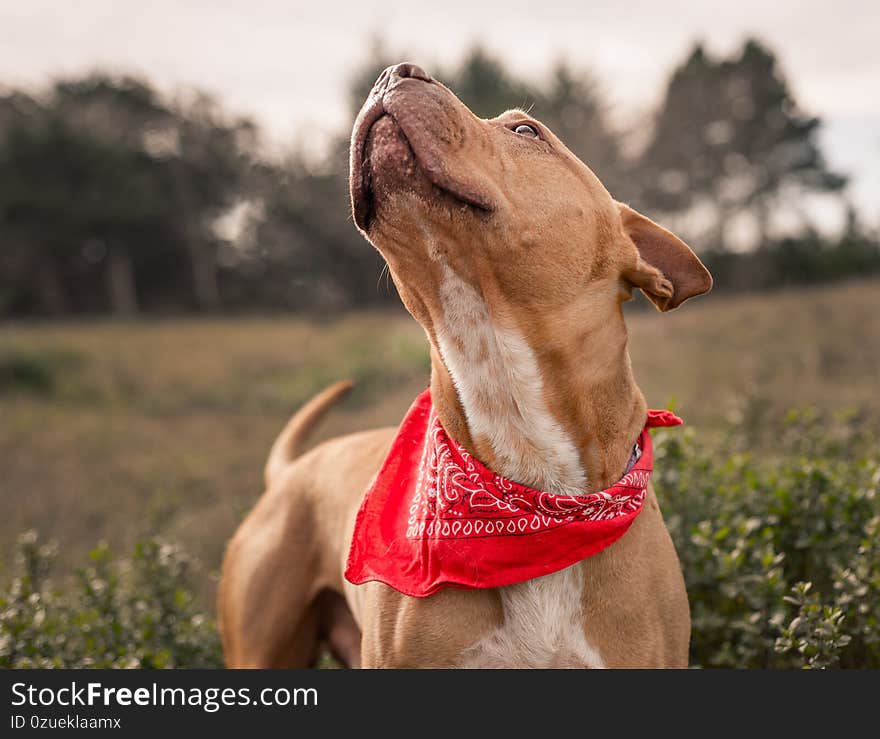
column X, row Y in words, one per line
column 286, row 63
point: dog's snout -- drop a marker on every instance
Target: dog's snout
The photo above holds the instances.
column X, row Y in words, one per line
column 396, row 72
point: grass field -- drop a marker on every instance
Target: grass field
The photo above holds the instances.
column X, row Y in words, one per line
column 110, row 431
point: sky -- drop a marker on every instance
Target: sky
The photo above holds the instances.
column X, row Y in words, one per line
column 286, row 64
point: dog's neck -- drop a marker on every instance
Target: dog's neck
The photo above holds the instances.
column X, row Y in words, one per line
column 554, row 406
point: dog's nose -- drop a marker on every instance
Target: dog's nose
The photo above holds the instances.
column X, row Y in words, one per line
column 391, row 75
column 409, row 70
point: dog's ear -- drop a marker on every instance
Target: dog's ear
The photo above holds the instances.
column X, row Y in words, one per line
column 666, row 271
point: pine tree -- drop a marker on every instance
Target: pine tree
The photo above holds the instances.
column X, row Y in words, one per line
column 730, row 139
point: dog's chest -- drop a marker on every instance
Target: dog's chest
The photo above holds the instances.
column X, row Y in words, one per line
column 543, row 627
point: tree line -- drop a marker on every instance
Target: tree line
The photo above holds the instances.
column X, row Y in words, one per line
column 116, row 199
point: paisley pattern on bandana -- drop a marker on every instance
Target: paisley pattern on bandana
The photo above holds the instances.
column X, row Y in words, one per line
column 457, row 497
column 436, row 517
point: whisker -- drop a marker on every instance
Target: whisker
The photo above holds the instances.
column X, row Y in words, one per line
column 384, row 272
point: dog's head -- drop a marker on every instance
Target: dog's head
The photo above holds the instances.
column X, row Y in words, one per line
column 503, row 203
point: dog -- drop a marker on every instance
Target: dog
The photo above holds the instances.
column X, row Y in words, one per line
column 516, row 261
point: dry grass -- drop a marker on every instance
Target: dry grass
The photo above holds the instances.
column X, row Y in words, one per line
column 810, row 347
column 164, row 426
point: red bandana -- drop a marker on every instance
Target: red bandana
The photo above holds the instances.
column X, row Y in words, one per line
column 436, row 517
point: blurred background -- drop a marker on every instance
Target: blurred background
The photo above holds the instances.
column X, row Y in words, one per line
column 179, row 271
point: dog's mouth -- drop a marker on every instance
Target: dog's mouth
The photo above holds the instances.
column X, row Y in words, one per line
column 360, row 176
column 385, row 161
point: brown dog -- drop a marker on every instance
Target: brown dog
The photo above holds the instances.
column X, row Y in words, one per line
column 515, row 260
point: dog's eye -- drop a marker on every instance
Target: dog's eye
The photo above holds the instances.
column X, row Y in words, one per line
column 524, row 129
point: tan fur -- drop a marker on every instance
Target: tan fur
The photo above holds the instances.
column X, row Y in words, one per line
column 522, row 231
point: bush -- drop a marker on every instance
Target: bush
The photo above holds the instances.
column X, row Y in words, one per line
column 137, row 612
column 779, row 549
column 779, row 553
column 808, row 259
column 34, row 372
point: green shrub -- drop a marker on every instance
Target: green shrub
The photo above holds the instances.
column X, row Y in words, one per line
column 137, row 612
column 816, row 632
column 35, row 371
column 756, row 535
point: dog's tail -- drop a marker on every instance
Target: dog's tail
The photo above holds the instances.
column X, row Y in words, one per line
column 289, row 444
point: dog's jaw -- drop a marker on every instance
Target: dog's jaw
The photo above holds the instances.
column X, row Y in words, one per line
column 360, row 186
column 394, row 151
column 391, row 167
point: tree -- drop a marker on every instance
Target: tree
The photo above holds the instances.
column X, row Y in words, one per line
column 110, row 124
column 730, row 139
column 209, row 170
column 104, row 176
column 63, row 187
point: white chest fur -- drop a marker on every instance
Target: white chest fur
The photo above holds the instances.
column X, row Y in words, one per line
column 500, row 387
column 543, row 627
